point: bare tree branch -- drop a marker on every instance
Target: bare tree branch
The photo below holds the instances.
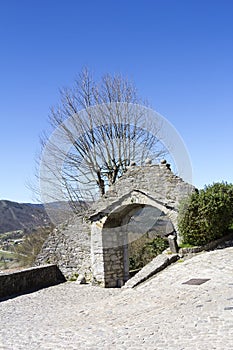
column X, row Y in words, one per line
column 99, row 129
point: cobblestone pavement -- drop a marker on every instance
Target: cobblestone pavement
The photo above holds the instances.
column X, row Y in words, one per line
column 162, row 313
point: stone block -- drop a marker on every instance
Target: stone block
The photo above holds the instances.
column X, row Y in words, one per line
column 173, row 244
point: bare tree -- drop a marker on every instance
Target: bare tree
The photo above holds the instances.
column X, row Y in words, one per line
column 99, row 130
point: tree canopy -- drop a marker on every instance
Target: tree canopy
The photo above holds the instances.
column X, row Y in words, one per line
column 99, row 129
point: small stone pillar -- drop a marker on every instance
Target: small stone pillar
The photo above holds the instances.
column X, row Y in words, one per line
column 97, row 257
column 133, row 163
column 148, row 161
column 173, row 244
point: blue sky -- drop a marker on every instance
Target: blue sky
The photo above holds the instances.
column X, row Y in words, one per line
column 178, row 52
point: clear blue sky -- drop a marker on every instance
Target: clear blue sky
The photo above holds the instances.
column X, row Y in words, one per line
column 178, row 52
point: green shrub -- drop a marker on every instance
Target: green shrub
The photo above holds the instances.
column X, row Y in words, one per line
column 206, row 215
column 143, row 250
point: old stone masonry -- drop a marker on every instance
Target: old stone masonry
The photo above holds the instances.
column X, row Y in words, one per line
column 96, row 244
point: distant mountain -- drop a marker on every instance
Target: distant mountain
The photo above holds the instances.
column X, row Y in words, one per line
column 18, row 216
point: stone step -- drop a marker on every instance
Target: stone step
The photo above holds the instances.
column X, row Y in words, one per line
column 158, row 264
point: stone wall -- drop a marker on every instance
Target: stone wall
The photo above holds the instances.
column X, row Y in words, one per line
column 68, row 246
column 108, row 257
column 28, row 280
column 158, row 181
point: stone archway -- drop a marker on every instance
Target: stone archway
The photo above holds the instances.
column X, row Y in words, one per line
column 149, row 185
column 109, row 239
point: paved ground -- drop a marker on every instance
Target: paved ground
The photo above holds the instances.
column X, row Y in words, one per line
column 163, row 313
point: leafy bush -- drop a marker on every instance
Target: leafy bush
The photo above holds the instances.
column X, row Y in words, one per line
column 143, row 250
column 206, row 215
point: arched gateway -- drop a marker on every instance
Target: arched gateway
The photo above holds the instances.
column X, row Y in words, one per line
column 151, row 186
column 96, row 245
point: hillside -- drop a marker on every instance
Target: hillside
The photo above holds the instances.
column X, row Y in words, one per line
column 18, row 216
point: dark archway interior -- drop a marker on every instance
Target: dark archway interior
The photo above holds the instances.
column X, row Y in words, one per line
column 140, row 219
column 142, row 229
column 116, row 218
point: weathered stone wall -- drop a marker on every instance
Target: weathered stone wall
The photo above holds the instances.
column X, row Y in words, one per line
column 13, row 283
column 108, row 256
column 68, row 246
column 158, row 181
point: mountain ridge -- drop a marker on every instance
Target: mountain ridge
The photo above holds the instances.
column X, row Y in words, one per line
column 19, row 216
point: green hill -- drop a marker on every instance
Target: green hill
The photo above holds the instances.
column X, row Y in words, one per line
column 21, row 216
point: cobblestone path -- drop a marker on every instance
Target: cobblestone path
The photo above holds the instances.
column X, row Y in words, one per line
column 162, row 313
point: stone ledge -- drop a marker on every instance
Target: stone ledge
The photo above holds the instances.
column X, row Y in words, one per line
column 210, row 246
column 29, row 280
column 158, row 264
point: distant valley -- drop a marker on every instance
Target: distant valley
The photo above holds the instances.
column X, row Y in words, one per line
column 24, row 227
column 21, row 216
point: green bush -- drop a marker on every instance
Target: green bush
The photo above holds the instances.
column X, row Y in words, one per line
column 206, row 215
column 143, row 250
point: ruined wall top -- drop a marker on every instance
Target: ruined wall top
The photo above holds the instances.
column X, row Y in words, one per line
column 157, row 181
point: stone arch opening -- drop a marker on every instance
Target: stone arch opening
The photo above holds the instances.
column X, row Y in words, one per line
column 115, row 231
column 148, row 229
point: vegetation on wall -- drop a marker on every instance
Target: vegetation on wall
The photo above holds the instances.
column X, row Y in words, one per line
column 207, row 214
column 31, row 246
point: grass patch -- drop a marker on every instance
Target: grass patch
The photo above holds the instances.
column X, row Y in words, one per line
column 7, row 255
column 180, row 260
column 186, row 245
